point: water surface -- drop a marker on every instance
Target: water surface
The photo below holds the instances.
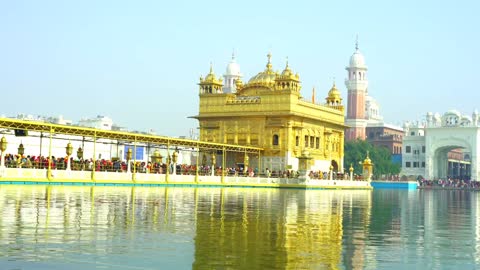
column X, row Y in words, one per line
column 56, row 227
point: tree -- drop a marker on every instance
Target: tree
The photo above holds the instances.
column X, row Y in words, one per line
column 356, row 152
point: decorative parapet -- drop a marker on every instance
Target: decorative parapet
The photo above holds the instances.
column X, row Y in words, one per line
column 243, row 100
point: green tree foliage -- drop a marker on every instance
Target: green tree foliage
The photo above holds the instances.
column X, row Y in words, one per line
column 356, row 151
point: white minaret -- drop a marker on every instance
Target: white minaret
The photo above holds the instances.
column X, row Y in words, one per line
column 475, row 119
column 357, row 85
column 231, row 75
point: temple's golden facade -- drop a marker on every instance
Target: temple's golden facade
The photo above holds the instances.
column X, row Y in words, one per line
column 268, row 111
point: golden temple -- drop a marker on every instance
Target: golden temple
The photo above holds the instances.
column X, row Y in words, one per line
column 269, row 112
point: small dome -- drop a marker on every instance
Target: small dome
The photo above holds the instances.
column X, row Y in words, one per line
column 334, row 93
column 266, row 77
column 233, row 68
column 357, row 59
column 210, row 78
column 367, row 160
column 263, row 78
column 455, row 112
column 287, row 72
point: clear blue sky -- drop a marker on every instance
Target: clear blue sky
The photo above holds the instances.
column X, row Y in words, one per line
column 139, row 61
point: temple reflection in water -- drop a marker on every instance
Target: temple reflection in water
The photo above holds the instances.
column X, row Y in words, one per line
column 212, row 227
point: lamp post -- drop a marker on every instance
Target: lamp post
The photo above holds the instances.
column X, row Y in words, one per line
column 351, row 172
column 168, row 161
column 214, row 157
column 80, row 153
column 174, row 160
column 129, row 157
column 367, row 168
column 68, row 151
column 156, row 158
column 80, row 157
column 3, row 147
column 245, row 164
column 21, row 151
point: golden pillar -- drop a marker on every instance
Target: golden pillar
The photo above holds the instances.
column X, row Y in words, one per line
column 21, row 151
column 3, row 147
column 69, row 151
column 351, row 172
column 214, row 161
column 367, row 168
column 174, row 160
column 129, row 157
column 49, row 170
column 245, row 164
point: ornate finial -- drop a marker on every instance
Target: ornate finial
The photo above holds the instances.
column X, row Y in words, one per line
column 233, row 54
column 211, row 68
column 356, row 43
column 286, row 66
column 269, row 64
column 368, row 152
column 333, row 82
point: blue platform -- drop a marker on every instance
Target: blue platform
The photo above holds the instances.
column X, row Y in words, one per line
column 391, row 184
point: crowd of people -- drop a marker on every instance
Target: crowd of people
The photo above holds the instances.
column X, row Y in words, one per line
column 117, row 165
column 450, row 183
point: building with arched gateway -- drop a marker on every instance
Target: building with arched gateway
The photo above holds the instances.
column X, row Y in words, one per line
column 442, row 147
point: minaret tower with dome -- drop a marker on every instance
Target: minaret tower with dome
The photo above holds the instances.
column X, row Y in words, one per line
column 231, row 75
column 357, row 85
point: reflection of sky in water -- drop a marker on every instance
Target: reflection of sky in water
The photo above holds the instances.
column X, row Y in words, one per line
column 124, row 228
column 209, row 228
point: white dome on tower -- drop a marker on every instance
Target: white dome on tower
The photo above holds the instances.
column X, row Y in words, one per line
column 233, row 68
column 357, row 59
column 231, row 75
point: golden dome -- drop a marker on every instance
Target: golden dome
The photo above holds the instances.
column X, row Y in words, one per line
column 266, row 77
column 334, row 93
column 334, row 97
column 367, row 160
column 288, row 75
column 287, row 72
column 210, row 78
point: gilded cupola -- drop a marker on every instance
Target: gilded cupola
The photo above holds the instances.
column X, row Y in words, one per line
column 265, row 78
column 210, row 84
column 334, row 96
column 287, row 80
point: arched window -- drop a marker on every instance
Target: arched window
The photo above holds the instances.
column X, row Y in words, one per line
column 275, row 139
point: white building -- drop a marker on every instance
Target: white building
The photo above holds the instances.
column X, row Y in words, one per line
column 428, row 148
column 99, row 122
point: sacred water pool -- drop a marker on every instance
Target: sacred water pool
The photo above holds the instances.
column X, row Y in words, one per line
column 58, row 227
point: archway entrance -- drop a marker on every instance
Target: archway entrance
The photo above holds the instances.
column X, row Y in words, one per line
column 334, row 165
column 452, row 162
